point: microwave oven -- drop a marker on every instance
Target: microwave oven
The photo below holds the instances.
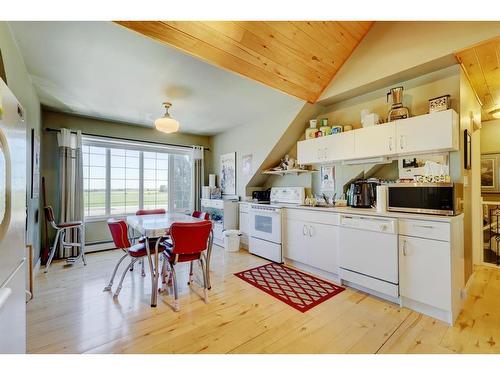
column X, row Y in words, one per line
column 426, row 198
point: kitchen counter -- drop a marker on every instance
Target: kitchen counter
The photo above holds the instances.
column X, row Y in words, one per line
column 373, row 212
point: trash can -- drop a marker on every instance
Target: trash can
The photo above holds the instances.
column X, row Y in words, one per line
column 232, row 240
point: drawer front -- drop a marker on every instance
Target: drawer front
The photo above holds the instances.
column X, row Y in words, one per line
column 425, row 229
column 320, row 217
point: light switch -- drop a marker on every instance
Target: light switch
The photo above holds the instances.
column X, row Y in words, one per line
column 466, row 181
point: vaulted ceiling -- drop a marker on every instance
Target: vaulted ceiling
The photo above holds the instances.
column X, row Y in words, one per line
column 482, row 65
column 299, row 58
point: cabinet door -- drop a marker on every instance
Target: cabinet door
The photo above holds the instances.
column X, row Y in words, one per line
column 374, row 141
column 244, row 226
column 312, row 151
column 428, row 133
column 339, row 146
column 323, row 247
column 295, row 240
column 424, row 271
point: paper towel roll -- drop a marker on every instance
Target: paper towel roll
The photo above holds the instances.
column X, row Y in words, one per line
column 211, row 180
column 381, row 198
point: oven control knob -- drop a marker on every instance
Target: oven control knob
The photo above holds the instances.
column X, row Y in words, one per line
column 383, row 227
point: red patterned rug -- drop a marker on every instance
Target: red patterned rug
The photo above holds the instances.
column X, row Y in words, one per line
column 295, row 288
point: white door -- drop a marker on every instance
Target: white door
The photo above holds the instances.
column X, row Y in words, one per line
column 295, row 238
column 425, row 273
column 374, row 141
column 12, row 224
column 428, row 133
column 323, row 247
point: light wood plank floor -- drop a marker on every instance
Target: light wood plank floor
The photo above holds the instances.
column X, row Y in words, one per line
column 71, row 314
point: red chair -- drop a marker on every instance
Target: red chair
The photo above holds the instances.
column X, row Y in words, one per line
column 201, row 215
column 189, row 242
column 155, row 211
column 118, row 229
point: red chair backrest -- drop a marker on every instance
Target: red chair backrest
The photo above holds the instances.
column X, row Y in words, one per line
column 201, row 215
column 190, row 238
column 156, row 211
column 118, row 229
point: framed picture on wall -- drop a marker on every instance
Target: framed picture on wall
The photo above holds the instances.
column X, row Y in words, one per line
column 488, row 173
column 228, row 173
column 327, row 178
column 3, row 76
column 467, row 149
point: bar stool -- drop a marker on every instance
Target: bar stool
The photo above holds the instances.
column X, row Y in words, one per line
column 60, row 236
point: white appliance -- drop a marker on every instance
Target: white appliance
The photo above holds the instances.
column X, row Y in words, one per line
column 223, row 214
column 12, row 224
column 265, row 223
column 368, row 253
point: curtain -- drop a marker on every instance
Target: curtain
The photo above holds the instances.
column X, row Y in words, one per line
column 198, row 176
column 70, row 184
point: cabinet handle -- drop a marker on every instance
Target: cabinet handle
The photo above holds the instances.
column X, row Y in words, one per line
column 311, row 231
column 304, row 230
column 390, row 143
column 401, row 141
column 423, row 226
column 404, row 247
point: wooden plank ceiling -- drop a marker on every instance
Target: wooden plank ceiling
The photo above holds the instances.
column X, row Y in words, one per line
column 299, row 58
column 482, row 65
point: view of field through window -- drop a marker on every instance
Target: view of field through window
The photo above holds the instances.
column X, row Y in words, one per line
column 119, row 181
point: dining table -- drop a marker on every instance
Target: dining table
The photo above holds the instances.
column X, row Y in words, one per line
column 154, row 228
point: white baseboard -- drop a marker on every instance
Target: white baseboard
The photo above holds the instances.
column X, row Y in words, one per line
column 100, row 247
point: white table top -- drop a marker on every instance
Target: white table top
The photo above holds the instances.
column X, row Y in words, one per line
column 155, row 225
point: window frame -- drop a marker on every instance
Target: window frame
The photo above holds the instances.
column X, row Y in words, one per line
column 141, row 147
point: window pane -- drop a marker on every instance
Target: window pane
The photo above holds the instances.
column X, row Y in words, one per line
column 132, row 173
column 117, row 173
column 182, row 197
column 117, row 161
column 149, row 174
column 132, row 162
column 117, row 151
column 97, row 172
column 97, row 150
column 97, row 160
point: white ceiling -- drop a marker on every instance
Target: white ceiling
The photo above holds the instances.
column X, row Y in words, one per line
column 102, row 70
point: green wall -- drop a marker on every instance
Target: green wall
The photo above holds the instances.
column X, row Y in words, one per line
column 20, row 83
column 98, row 231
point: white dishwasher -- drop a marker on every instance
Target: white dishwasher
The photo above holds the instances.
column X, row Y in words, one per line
column 368, row 253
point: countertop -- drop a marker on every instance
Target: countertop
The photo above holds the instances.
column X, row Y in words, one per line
column 367, row 212
column 373, row 212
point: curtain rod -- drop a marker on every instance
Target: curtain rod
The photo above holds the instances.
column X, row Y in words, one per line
column 126, row 139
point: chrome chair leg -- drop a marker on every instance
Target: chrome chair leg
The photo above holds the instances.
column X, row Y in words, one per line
column 143, row 273
column 117, row 292
column 205, row 280
column 82, row 244
column 176, row 292
column 52, row 251
column 107, row 288
column 190, row 280
column 208, row 256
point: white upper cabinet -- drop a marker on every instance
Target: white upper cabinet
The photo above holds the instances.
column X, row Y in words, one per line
column 375, row 141
column 434, row 132
column 331, row 148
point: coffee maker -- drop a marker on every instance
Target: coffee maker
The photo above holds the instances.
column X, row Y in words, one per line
column 397, row 110
column 363, row 193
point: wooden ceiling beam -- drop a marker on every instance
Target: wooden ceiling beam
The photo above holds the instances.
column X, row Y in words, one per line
column 298, row 58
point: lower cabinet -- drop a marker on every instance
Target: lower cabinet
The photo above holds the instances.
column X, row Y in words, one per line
column 312, row 244
column 424, row 271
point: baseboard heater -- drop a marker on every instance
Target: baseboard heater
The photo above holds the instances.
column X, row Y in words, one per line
column 91, row 247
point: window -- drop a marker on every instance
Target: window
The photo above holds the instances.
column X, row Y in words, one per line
column 119, row 178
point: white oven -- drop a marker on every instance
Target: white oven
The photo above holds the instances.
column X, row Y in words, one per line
column 265, row 232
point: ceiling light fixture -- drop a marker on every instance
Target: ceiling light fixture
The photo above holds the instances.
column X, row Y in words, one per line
column 167, row 124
